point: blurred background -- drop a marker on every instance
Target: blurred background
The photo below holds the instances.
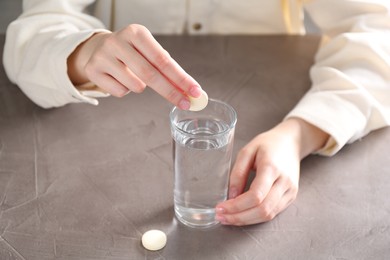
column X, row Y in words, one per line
column 10, row 10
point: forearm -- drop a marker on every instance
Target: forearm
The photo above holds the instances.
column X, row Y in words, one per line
column 37, row 46
column 350, row 93
column 308, row 137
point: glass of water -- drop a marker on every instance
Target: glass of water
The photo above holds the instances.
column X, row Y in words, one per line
column 202, row 152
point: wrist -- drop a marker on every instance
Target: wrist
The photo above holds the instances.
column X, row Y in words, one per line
column 308, row 137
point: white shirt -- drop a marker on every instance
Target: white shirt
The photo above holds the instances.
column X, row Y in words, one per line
column 214, row 16
column 350, row 93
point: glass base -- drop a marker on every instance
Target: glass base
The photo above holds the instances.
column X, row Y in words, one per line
column 196, row 218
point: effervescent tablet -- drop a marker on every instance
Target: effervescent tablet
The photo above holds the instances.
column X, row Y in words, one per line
column 154, row 239
column 200, row 102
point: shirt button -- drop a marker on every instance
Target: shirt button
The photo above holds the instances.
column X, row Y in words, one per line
column 197, row 26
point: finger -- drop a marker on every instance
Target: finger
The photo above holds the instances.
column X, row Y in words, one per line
column 110, row 85
column 255, row 215
column 287, row 199
column 284, row 202
column 152, row 77
column 263, row 212
column 241, row 168
column 147, row 45
column 106, row 72
column 257, row 192
column 125, row 76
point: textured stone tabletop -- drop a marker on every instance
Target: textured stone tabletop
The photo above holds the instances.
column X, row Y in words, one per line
column 85, row 182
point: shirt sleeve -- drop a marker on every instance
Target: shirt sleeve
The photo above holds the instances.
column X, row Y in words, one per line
column 38, row 44
column 350, row 93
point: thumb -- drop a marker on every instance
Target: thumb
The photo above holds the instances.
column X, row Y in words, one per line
column 240, row 172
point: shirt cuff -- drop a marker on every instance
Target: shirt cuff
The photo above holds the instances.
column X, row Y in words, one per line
column 333, row 115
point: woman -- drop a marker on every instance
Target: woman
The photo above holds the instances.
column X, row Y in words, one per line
column 58, row 54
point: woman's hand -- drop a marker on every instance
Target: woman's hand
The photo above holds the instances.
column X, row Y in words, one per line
column 129, row 60
column 275, row 156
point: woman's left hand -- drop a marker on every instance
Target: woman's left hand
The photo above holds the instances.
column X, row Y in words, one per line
column 275, row 156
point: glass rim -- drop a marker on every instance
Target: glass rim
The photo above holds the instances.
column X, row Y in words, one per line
column 231, row 125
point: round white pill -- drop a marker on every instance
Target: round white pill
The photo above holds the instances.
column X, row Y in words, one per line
column 200, row 102
column 154, row 239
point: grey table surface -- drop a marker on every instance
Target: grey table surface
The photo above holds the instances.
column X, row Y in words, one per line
column 84, row 182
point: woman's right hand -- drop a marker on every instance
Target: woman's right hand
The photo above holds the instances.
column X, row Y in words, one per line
column 129, row 60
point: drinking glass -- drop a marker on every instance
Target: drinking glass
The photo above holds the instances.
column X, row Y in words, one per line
column 202, row 152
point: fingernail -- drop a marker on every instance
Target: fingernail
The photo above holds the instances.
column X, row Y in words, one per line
column 195, row 91
column 220, row 210
column 233, row 192
column 184, row 104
